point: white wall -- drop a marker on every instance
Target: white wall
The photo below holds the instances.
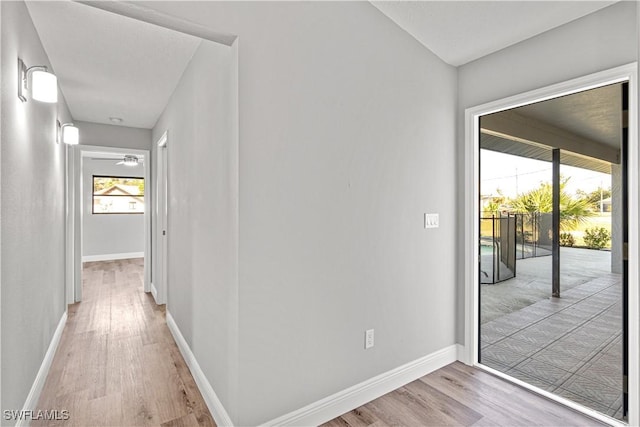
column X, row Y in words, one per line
column 0, row 226
column 203, row 211
column 596, row 42
column 114, row 136
column 32, row 212
column 347, row 137
column 109, row 236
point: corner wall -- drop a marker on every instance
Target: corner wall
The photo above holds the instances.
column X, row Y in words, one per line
column 33, row 214
column 202, row 152
column 599, row 41
column 347, row 137
column 114, row 136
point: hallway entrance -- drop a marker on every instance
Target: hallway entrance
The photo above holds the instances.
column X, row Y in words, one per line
column 117, row 363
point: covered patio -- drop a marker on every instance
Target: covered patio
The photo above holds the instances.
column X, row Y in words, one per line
column 572, row 345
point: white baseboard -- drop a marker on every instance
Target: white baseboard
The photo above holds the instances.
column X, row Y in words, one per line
column 111, row 257
column 219, row 413
column 346, row 400
column 330, row 407
column 154, row 292
column 461, row 354
column 34, row 394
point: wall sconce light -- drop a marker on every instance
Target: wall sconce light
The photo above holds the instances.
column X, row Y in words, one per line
column 44, row 84
column 70, row 134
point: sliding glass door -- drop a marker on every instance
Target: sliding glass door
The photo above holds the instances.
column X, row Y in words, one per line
column 553, row 234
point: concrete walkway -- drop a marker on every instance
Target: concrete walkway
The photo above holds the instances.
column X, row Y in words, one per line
column 570, row 346
column 533, row 280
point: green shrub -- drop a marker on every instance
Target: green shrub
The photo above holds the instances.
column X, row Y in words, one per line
column 567, row 239
column 596, row 238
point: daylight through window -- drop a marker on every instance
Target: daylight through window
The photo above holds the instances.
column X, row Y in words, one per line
column 118, row 195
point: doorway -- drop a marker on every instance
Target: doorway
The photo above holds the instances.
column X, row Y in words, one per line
column 556, row 321
column 159, row 283
column 109, row 219
column 511, row 330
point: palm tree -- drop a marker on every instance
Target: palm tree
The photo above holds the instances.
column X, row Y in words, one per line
column 572, row 211
column 495, row 204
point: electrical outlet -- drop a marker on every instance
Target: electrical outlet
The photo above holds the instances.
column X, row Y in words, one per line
column 431, row 220
column 368, row 339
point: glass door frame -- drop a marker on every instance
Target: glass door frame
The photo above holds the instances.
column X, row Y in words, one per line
column 469, row 354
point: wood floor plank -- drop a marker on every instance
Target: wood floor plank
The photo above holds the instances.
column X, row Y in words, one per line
column 164, row 384
column 360, row 417
column 422, row 411
column 188, row 420
column 475, row 400
column 486, row 422
column 139, row 407
column 117, row 363
column 341, row 422
column 105, row 410
column 440, row 402
column 392, row 412
column 488, row 398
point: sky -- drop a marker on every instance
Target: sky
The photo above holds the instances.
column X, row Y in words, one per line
column 514, row 174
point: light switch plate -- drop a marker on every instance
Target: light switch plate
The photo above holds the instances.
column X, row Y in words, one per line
column 431, row 220
column 368, row 339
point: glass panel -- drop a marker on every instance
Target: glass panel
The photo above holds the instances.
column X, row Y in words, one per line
column 118, row 195
column 571, row 344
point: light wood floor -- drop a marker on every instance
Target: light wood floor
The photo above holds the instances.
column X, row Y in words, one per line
column 462, row 396
column 117, row 363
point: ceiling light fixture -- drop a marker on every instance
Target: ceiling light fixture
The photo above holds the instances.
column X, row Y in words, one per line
column 129, row 160
column 70, row 134
column 44, row 84
column 116, row 120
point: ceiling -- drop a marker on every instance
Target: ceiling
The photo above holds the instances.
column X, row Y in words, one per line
column 110, row 65
column 462, row 31
column 595, row 115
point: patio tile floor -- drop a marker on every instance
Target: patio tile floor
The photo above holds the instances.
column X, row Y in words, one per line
column 570, row 346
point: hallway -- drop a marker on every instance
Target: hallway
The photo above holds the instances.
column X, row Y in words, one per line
column 117, row 363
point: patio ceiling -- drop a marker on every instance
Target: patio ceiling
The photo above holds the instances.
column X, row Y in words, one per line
column 541, row 152
column 587, row 126
column 594, row 114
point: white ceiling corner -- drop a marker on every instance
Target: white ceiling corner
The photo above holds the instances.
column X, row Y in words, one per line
column 459, row 32
column 109, row 65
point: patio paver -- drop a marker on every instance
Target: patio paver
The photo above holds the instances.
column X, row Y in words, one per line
column 570, row 346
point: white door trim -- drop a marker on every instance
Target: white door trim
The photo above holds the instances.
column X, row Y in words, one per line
column 160, row 290
column 628, row 73
column 74, row 202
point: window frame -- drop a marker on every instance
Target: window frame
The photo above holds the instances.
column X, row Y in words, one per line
column 93, row 195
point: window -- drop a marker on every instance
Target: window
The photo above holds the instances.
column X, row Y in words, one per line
column 118, row 195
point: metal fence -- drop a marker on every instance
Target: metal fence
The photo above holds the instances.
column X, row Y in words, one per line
column 505, row 238
column 534, row 234
column 497, row 248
